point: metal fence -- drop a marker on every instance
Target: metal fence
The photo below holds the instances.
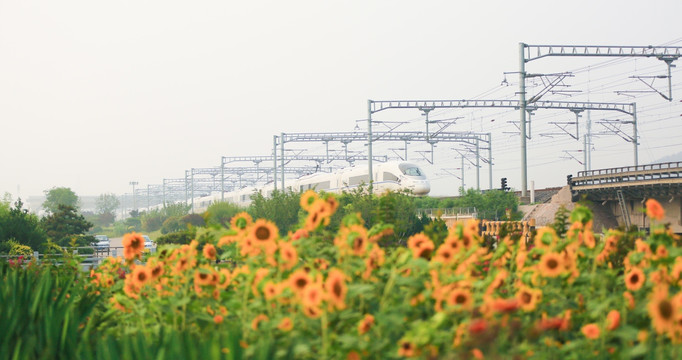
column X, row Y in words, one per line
column 90, row 256
column 443, row 212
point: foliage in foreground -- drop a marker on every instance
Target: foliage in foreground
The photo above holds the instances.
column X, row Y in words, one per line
column 311, row 294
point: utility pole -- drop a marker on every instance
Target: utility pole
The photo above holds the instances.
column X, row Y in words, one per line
column 133, row 183
column 522, row 111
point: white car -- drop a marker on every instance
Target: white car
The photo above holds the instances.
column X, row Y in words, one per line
column 148, row 243
column 102, row 241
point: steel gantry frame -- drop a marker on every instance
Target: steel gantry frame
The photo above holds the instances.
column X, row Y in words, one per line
column 528, row 53
column 573, row 106
column 345, row 138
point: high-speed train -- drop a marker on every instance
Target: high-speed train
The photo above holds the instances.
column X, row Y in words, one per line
column 394, row 176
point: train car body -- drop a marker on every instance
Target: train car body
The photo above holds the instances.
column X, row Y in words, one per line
column 389, row 176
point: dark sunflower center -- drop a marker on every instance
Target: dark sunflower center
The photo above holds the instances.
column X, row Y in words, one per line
column 156, row 271
column 262, row 233
column 357, row 243
column 460, row 299
column 301, row 283
column 634, row 278
column 665, row 308
column 336, row 289
column 526, row 298
column 203, row 276
column 552, row 264
column 141, row 277
column 425, row 253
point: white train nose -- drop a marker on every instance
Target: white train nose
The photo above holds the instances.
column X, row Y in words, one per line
column 420, row 187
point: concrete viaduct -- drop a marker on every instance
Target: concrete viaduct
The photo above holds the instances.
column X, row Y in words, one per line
column 625, row 189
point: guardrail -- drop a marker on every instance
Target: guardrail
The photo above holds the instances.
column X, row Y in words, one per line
column 91, row 256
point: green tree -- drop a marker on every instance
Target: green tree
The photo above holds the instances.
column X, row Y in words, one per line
column 106, row 205
column 221, row 213
column 22, row 226
column 280, row 207
column 65, row 224
column 59, row 196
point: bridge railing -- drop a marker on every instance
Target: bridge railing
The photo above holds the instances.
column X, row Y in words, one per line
column 626, row 169
column 669, row 170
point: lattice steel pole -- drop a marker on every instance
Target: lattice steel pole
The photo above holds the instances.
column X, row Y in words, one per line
column 369, row 143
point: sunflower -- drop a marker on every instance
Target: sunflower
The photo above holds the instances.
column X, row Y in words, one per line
column 312, row 312
column 634, row 279
column 157, row 270
column 228, row 239
column 336, row 288
column 546, row 238
column 263, row 231
column 270, row 290
column 332, row 203
column 299, row 280
column 497, row 282
column 662, row 310
column 141, row 275
column 551, row 265
column 312, row 221
column 591, row 331
column 130, row 289
column 630, row 299
column 320, row 264
column 312, row 295
column 133, row 244
column 203, row 276
column 365, row 324
column 445, row 254
column 209, row 252
column 241, row 221
column 589, row 240
column 407, row 348
column 461, row 299
column 358, row 241
column 286, row 324
column 654, row 210
column 424, row 252
column 224, row 278
column 528, row 297
column 288, row 254
column 307, row 199
column 612, row 320
column 416, row 241
column 257, row 320
column 218, row 319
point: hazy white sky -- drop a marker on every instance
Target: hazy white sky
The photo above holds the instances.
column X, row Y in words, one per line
column 96, row 94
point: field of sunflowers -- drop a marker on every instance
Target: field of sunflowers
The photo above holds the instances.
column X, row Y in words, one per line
column 313, row 294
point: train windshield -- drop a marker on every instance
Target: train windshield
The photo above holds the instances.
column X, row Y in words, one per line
column 411, row 170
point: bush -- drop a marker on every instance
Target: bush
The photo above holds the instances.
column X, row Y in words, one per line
column 221, row 213
column 18, row 249
column 152, row 222
column 180, row 237
column 192, row 220
column 172, row 224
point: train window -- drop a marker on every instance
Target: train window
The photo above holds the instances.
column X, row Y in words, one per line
column 357, row 180
column 389, row 176
column 321, row 185
column 411, row 170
